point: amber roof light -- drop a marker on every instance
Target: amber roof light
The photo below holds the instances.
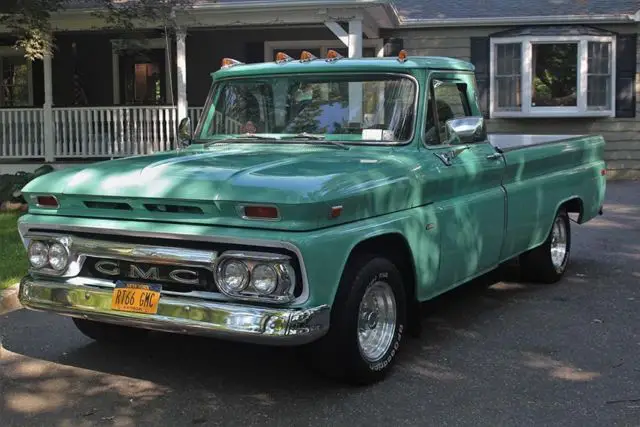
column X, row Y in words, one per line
column 283, row 57
column 306, row 56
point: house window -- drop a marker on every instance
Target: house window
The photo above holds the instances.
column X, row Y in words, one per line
column 552, row 76
column 15, row 82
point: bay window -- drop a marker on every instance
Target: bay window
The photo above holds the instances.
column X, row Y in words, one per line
column 552, row 76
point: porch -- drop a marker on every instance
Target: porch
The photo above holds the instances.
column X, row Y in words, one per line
column 107, row 95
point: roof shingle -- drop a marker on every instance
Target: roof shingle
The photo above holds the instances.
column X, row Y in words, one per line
column 461, row 9
column 410, row 10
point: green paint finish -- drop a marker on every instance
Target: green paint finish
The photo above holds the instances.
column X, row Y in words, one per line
column 348, row 65
column 458, row 220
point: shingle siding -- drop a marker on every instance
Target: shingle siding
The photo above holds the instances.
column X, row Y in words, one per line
column 623, row 145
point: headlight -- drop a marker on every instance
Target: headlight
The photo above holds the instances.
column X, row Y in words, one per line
column 264, row 279
column 58, row 256
column 50, row 255
column 38, row 254
column 234, row 276
column 256, row 276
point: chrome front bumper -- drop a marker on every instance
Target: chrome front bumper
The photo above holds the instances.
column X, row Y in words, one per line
column 180, row 314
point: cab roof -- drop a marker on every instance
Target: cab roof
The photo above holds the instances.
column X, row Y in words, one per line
column 321, row 65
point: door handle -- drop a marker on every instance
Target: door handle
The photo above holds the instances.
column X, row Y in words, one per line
column 494, row 156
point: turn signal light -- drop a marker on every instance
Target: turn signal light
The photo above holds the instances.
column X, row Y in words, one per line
column 229, row 62
column 47, row 202
column 402, row 55
column 332, row 55
column 306, row 56
column 283, row 57
column 261, row 212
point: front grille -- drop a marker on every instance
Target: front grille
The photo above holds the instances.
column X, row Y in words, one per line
column 112, row 269
column 205, row 283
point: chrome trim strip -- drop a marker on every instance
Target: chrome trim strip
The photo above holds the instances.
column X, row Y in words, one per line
column 80, row 248
column 195, row 317
column 24, row 226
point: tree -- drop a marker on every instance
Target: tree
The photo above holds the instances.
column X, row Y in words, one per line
column 30, row 20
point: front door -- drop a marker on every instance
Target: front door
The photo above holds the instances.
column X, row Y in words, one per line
column 143, row 74
column 471, row 200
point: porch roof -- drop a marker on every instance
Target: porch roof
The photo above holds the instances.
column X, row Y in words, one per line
column 77, row 14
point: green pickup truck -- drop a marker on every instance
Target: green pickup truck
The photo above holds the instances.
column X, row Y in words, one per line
column 316, row 204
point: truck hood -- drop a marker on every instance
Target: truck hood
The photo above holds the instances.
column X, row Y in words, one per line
column 207, row 186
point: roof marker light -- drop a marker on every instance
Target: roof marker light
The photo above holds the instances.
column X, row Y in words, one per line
column 283, row 57
column 307, row 56
column 332, row 55
column 230, row 62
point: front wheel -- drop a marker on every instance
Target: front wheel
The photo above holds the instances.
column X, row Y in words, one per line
column 367, row 323
column 548, row 262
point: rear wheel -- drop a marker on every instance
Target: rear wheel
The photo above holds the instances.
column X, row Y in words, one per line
column 109, row 333
column 367, row 323
column 548, row 262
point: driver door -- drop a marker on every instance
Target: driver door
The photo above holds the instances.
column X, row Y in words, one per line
column 470, row 197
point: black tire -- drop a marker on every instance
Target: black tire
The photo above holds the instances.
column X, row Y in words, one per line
column 338, row 354
column 110, row 333
column 537, row 265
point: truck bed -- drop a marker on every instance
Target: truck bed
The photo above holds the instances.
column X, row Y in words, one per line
column 510, row 142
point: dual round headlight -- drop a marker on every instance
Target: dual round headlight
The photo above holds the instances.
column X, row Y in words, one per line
column 235, row 277
column 54, row 255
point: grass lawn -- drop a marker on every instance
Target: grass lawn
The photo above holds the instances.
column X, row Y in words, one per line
column 13, row 259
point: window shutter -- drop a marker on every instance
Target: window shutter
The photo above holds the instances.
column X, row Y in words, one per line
column 480, row 58
column 393, row 46
column 626, row 75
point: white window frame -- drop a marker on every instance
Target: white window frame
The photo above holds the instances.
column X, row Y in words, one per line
column 270, row 47
column 10, row 51
column 526, row 72
column 157, row 43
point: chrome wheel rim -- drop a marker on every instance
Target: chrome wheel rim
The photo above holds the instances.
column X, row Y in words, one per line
column 376, row 321
column 558, row 243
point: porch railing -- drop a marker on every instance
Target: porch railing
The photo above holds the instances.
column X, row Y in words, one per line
column 113, row 131
column 21, row 133
column 92, row 132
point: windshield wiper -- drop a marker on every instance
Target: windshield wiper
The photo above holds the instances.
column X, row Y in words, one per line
column 249, row 136
column 320, row 138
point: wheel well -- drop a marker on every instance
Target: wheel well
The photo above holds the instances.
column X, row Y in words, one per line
column 574, row 206
column 394, row 247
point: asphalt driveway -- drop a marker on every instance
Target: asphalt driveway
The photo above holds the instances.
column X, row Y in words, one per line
column 509, row 354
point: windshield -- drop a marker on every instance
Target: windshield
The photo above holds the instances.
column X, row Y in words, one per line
column 352, row 108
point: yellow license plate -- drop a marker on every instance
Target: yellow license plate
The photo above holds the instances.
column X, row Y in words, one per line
column 136, row 297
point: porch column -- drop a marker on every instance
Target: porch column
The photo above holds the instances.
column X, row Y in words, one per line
column 355, row 89
column 181, row 62
column 48, row 122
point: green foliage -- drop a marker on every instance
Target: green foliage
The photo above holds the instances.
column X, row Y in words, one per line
column 556, row 73
column 30, row 20
column 13, row 258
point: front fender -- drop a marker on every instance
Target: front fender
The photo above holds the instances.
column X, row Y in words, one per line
column 326, row 252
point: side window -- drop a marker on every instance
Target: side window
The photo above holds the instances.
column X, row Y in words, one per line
column 450, row 102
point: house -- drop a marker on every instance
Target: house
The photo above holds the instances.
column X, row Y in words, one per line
column 550, row 66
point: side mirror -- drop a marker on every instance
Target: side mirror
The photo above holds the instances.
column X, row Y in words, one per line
column 466, row 130
column 185, row 134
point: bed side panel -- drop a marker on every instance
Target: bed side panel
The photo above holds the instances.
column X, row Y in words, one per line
column 538, row 179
